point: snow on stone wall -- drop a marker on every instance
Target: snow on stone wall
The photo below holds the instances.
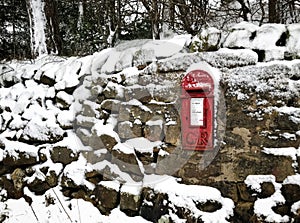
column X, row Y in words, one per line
column 105, row 129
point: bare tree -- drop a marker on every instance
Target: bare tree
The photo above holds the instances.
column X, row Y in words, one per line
column 54, row 42
column 273, row 12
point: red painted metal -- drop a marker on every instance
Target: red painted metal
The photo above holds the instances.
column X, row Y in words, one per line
column 197, row 111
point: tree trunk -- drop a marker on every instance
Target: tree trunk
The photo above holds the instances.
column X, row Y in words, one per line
column 54, row 40
column 273, row 12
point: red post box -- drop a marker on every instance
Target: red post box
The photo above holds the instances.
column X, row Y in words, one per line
column 197, row 111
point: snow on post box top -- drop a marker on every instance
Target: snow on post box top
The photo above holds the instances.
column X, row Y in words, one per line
column 198, row 80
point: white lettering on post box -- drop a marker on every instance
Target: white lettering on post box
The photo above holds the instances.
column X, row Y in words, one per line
column 197, row 111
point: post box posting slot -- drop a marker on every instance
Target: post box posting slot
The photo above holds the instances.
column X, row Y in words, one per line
column 197, row 108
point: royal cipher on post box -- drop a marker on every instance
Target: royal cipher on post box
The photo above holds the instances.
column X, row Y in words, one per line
column 197, row 111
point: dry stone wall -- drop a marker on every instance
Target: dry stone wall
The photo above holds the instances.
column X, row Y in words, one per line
column 126, row 112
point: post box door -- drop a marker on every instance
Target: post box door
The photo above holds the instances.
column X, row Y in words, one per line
column 197, row 122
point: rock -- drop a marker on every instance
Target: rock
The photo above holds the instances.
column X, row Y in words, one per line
column 243, row 212
column 65, row 119
column 172, row 133
column 293, row 43
column 40, row 186
column 133, row 112
column 20, row 159
column 154, row 205
column 207, row 40
column 102, row 136
column 94, row 177
column 64, row 100
column 262, row 164
column 2, row 145
column 40, row 132
column 113, row 91
column 272, row 32
column 84, row 135
column 111, row 105
column 209, row 206
column 128, row 129
column 47, row 80
column 227, row 189
column 127, row 162
column 153, row 129
column 108, row 141
column 68, row 184
column 63, row 155
column 274, row 54
column 241, row 36
column 85, row 122
column 140, row 93
column 267, row 190
column 89, row 109
column 223, row 58
column 291, row 193
column 282, row 209
column 8, row 79
column 18, row 178
column 130, row 202
column 165, row 93
column 231, row 58
column 9, row 186
column 143, row 57
column 107, row 196
column 96, row 156
column 245, row 193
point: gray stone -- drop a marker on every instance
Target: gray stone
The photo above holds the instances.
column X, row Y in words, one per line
column 127, row 130
column 293, row 43
column 113, row 91
column 153, row 129
column 207, row 40
column 47, row 134
column 143, row 57
column 131, row 113
column 111, row 105
column 127, row 162
column 140, row 93
column 64, row 100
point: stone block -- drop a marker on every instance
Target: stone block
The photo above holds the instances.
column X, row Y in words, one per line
column 154, row 205
column 172, row 134
column 107, row 196
column 140, row 93
column 132, row 112
column 63, row 155
column 243, row 212
column 244, row 193
column 111, row 105
column 291, row 193
column 127, row 130
column 113, row 91
column 154, row 128
column 130, row 202
column 127, row 163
